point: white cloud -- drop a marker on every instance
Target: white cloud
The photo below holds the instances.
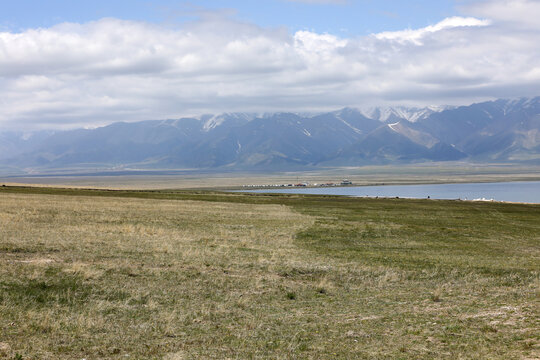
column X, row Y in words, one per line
column 110, row 70
column 416, row 35
column 520, row 13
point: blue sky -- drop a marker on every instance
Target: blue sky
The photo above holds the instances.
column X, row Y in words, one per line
column 87, row 63
column 352, row 17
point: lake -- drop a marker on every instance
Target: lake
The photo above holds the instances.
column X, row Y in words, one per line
column 519, row 191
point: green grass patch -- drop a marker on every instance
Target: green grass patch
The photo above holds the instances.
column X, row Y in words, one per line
column 185, row 275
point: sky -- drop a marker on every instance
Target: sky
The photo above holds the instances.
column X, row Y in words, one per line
column 66, row 64
column 339, row 17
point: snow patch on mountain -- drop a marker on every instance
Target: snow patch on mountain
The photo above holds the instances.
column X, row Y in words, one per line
column 512, row 105
column 356, row 130
column 211, row 122
column 411, row 114
column 239, row 147
column 391, row 126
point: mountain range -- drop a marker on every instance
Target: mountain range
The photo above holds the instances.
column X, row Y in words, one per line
column 501, row 131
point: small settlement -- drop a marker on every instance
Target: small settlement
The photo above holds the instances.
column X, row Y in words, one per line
column 344, row 182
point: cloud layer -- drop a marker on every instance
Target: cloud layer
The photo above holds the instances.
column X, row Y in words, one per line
column 110, row 70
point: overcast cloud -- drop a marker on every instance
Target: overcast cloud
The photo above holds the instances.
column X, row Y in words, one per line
column 110, row 70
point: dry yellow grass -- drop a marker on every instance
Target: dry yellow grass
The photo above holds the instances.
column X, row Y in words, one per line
column 320, row 278
column 140, row 254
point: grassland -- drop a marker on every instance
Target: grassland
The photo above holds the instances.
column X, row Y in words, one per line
column 364, row 175
column 187, row 275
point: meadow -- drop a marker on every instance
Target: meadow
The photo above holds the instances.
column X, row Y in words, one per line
column 96, row 274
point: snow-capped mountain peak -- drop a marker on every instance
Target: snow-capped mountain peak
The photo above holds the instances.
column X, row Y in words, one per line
column 211, row 122
column 392, row 113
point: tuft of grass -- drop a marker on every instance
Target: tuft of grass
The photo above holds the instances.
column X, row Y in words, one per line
column 291, row 295
column 436, row 295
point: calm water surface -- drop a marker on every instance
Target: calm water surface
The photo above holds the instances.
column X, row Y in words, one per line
column 523, row 191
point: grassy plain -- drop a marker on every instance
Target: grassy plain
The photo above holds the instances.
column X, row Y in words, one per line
column 185, row 275
column 364, row 175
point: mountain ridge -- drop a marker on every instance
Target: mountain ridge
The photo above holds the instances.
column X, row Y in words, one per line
column 494, row 131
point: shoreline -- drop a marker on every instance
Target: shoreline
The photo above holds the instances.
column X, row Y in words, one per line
column 420, row 182
column 470, row 198
column 52, row 189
